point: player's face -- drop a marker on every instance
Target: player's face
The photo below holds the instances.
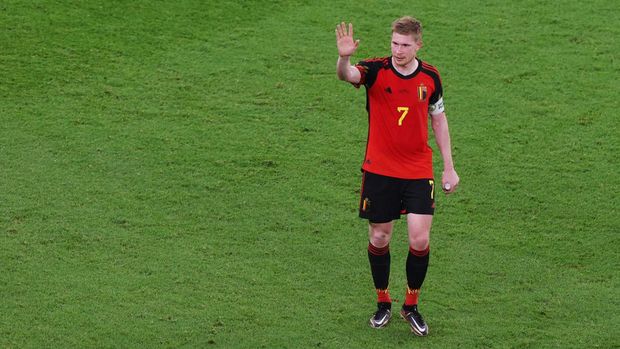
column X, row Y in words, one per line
column 404, row 49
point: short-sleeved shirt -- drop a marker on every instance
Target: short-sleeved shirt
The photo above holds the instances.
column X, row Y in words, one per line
column 398, row 111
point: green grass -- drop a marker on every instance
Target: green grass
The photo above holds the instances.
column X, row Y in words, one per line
column 186, row 174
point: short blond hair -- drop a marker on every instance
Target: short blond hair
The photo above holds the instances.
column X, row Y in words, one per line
column 408, row 25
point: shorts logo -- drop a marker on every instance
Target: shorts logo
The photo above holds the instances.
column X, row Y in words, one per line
column 366, row 204
column 422, row 92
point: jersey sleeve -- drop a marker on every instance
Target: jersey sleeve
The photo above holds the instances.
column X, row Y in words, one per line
column 435, row 102
column 368, row 70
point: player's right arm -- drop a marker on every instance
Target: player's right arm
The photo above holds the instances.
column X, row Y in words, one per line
column 346, row 47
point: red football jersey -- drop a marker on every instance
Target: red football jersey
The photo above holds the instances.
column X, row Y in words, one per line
column 398, row 111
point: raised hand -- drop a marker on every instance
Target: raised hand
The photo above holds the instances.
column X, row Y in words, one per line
column 344, row 40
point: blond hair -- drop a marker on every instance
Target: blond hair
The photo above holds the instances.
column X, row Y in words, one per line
column 408, row 26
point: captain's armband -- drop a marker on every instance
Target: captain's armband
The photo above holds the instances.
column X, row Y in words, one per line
column 437, row 107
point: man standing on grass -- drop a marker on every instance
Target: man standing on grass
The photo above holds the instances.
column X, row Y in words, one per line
column 401, row 91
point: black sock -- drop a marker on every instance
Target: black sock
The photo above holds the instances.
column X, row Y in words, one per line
column 379, row 258
column 417, row 264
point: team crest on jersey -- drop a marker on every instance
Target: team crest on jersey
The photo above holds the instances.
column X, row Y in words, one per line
column 422, row 92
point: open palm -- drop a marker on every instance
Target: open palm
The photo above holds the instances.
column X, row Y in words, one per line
column 344, row 40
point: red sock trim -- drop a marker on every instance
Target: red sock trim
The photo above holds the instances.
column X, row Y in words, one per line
column 378, row 251
column 383, row 296
column 411, row 298
column 419, row 253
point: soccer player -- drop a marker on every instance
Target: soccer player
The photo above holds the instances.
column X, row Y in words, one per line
column 402, row 93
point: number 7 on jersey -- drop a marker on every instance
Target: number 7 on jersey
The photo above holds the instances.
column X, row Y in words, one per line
column 403, row 111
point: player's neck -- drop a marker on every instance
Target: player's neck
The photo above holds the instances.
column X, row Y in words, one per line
column 406, row 69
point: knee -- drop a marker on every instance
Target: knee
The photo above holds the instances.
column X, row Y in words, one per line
column 379, row 237
column 419, row 242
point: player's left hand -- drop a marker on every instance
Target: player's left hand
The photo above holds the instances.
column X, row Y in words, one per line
column 449, row 181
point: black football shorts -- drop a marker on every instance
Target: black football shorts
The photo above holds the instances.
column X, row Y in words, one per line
column 384, row 199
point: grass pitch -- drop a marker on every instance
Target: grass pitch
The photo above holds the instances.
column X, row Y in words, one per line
column 186, row 174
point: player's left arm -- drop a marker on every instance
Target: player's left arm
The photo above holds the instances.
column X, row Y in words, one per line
column 449, row 178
